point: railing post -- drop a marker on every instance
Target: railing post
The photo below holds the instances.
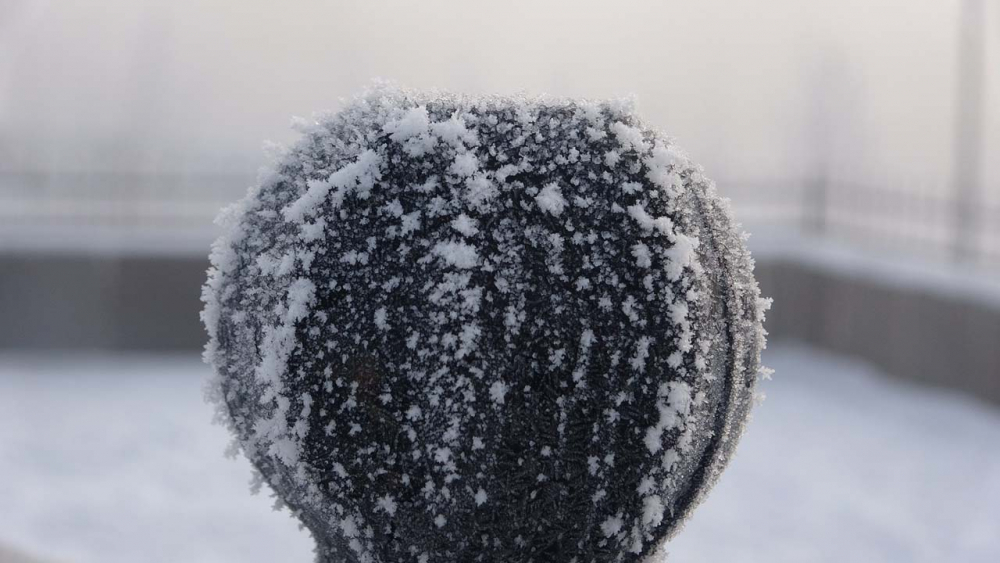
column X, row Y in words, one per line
column 814, row 212
column 966, row 176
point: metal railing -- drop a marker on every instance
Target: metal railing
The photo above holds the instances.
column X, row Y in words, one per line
column 916, row 221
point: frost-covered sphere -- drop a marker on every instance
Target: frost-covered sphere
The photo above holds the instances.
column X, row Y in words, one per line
column 452, row 329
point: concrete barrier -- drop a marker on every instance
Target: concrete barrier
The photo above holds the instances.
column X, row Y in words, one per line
column 53, row 301
column 948, row 340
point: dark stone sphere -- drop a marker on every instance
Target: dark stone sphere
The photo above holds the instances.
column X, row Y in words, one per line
column 453, row 329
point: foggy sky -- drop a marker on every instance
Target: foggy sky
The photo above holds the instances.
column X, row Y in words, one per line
column 755, row 90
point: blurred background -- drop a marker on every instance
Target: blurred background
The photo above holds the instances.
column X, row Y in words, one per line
column 857, row 139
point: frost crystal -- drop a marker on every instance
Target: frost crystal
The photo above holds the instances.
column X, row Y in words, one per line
column 450, row 328
column 612, row 525
column 458, row 254
column 465, row 225
column 551, row 199
column 498, row 391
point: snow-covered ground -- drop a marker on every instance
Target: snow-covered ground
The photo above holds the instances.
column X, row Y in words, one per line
column 112, row 459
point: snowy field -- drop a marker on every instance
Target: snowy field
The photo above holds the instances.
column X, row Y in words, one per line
column 113, row 459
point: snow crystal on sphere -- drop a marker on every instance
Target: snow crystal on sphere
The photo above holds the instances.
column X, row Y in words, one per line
column 450, row 328
column 551, row 199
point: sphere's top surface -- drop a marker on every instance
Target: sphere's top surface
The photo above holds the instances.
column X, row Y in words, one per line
column 452, row 328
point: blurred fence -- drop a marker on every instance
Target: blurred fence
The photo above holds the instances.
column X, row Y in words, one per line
column 922, row 221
